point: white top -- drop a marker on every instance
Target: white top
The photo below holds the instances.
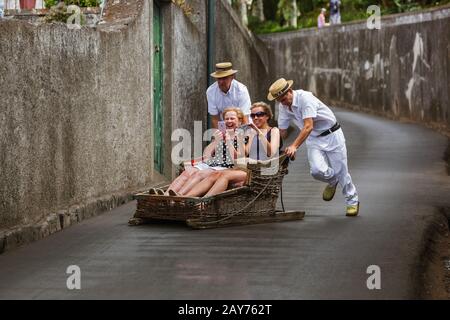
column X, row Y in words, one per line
column 306, row 105
column 237, row 96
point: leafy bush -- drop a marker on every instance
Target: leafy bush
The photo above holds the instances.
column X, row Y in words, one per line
column 57, row 13
column 266, row 26
column 83, row 3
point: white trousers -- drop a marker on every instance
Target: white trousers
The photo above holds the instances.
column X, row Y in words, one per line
column 328, row 163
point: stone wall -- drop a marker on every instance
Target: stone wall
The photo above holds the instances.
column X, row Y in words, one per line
column 76, row 110
column 188, row 72
column 74, row 116
column 401, row 71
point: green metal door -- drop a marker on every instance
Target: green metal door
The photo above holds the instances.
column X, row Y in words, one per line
column 157, row 88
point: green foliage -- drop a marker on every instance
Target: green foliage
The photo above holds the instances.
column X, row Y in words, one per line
column 404, row 6
column 50, row 3
column 81, row 3
column 266, row 26
column 307, row 21
column 286, row 9
column 270, row 9
column 58, row 13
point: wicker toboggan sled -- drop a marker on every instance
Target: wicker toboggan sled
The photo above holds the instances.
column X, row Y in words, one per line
column 255, row 202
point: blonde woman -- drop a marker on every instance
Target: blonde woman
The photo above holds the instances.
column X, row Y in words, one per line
column 217, row 156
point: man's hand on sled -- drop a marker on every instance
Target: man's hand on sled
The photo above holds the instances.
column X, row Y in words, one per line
column 291, row 151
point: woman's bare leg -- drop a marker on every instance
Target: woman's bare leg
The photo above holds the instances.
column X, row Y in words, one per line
column 202, row 187
column 227, row 176
column 194, row 180
column 179, row 181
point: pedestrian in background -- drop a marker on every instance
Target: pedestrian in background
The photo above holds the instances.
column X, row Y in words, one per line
column 335, row 13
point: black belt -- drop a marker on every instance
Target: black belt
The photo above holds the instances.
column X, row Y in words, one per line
column 335, row 127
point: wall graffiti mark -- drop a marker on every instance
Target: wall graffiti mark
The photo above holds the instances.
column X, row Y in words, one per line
column 416, row 78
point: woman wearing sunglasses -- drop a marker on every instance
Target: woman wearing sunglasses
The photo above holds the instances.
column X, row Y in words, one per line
column 264, row 140
column 217, row 156
column 263, row 144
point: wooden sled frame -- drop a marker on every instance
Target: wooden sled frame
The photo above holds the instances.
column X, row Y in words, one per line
column 253, row 203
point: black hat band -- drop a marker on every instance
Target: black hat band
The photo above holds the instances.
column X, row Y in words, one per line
column 280, row 93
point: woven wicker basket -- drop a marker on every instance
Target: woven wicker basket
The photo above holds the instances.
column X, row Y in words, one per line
column 255, row 202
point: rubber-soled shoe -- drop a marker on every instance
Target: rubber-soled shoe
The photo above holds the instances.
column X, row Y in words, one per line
column 329, row 191
column 352, row 210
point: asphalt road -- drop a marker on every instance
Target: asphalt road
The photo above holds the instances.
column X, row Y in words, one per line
column 401, row 179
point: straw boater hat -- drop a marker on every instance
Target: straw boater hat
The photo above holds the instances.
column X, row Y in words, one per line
column 223, row 69
column 278, row 88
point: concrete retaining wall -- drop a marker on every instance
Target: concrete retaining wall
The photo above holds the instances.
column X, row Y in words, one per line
column 188, row 72
column 76, row 108
column 401, row 71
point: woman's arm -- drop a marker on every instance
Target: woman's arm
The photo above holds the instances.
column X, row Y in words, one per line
column 211, row 148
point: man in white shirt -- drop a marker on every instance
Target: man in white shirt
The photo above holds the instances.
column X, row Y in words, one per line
column 226, row 92
column 327, row 153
